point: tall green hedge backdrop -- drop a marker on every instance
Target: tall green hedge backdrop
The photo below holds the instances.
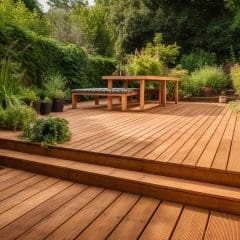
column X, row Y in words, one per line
column 40, row 55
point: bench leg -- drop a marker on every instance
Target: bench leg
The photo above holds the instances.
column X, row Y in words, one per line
column 96, row 100
column 74, row 101
column 124, row 103
column 164, row 93
column 176, row 92
column 109, row 103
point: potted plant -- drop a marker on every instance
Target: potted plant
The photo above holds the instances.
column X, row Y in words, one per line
column 54, row 86
column 29, row 97
column 207, row 91
column 223, row 97
column 58, row 101
column 46, row 106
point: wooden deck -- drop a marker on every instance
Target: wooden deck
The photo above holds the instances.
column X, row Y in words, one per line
column 196, row 134
column 38, row 207
column 198, row 141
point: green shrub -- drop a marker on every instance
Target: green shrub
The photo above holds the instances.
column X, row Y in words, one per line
column 10, row 83
column 235, row 76
column 40, row 55
column 144, row 65
column 16, row 118
column 98, row 67
column 185, row 87
column 235, row 106
column 28, row 96
column 198, row 60
column 54, row 85
column 213, row 77
column 48, row 131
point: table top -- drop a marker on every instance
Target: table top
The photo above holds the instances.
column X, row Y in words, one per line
column 137, row 78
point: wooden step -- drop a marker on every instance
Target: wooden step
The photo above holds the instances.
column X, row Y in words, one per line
column 215, row 176
column 205, row 195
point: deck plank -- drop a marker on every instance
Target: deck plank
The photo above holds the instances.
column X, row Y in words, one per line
column 234, row 163
column 108, row 220
column 133, row 224
column 26, row 206
column 191, row 225
column 85, row 217
column 27, row 221
column 223, row 227
column 68, row 210
column 163, row 222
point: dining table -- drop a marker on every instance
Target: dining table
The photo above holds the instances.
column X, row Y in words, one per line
column 162, row 80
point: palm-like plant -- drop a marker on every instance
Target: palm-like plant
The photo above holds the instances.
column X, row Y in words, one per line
column 9, row 84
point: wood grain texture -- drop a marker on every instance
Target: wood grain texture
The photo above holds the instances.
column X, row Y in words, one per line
column 68, row 210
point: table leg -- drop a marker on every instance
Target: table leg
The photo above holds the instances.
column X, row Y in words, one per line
column 109, row 103
column 109, row 98
column 124, row 103
column 176, row 92
column 160, row 93
column 142, row 94
column 164, row 93
column 125, row 84
column 97, row 100
column 74, row 101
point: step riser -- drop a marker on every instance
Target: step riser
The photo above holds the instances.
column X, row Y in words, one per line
column 126, row 185
column 134, row 164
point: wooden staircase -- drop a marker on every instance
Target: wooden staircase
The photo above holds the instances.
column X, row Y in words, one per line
column 187, row 191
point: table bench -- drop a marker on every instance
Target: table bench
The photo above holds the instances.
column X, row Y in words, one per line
column 123, row 93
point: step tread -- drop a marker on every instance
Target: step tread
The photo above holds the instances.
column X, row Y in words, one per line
column 194, row 187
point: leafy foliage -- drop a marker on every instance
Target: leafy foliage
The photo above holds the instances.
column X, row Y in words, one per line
column 143, row 64
column 54, row 85
column 235, row 106
column 198, row 60
column 151, row 60
column 66, row 4
column 213, row 77
column 235, row 76
column 16, row 13
column 45, row 55
column 16, row 118
column 48, row 131
column 207, row 25
column 10, row 82
column 28, row 95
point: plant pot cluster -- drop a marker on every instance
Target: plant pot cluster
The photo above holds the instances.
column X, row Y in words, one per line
column 47, row 106
column 53, row 105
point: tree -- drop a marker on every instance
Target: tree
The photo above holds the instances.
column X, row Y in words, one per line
column 211, row 25
column 66, row 4
column 18, row 14
column 32, row 5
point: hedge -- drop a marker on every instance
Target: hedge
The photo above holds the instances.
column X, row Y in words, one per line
column 39, row 55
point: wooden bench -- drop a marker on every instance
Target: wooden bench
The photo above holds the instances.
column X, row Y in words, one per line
column 122, row 93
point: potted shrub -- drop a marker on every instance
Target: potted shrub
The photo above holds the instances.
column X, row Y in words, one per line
column 29, row 97
column 46, row 106
column 58, row 101
column 223, row 97
column 54, row 87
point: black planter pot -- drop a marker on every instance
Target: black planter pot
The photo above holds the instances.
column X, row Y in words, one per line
column 46, row 108
column 37, row 106
column 58, row 104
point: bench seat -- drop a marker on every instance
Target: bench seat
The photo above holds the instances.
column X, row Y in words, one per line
column 123, row 93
